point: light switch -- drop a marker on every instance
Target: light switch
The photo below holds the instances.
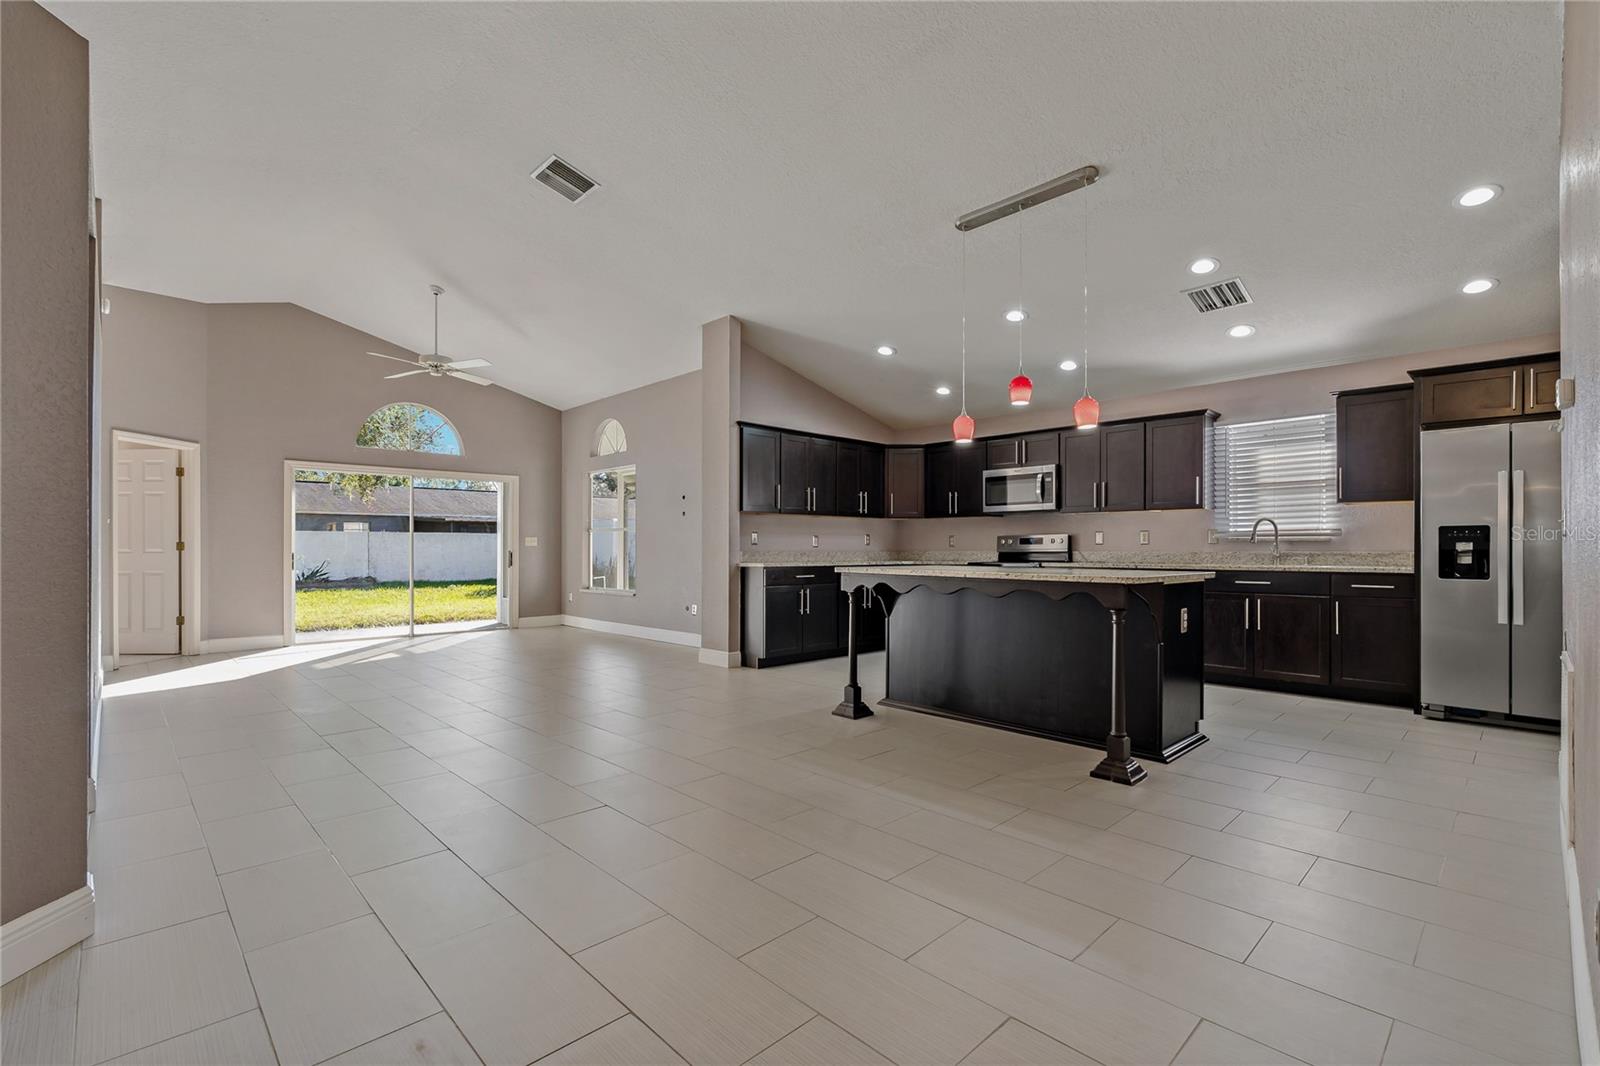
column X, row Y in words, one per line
column 1144, row 536
column 530, row 542
column 1099, row 536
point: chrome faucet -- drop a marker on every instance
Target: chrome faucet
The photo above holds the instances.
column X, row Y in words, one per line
column 1257, row 529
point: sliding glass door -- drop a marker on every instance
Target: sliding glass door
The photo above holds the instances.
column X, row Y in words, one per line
column 388, row 553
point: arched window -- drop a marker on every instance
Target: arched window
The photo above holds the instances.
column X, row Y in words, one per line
column 609, row 439
column 409, row 427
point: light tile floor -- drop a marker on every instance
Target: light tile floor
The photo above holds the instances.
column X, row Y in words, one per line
column 552, row 844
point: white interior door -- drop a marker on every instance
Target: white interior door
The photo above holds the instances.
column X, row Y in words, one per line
column 147, row 550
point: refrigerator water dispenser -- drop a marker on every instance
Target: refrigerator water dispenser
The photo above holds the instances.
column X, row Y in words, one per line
column 1464, row 553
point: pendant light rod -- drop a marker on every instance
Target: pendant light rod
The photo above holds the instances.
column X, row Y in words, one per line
column 1039, row 194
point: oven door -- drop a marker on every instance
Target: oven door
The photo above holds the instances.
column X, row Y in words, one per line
column 1020, row 488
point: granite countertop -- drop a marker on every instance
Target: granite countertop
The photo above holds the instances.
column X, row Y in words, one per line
column 1326, row 562
column 1081, row 575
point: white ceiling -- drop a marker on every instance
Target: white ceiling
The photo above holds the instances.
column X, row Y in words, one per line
column 800, row 165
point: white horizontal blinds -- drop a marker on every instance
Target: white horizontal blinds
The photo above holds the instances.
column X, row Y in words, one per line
column 1284, row 469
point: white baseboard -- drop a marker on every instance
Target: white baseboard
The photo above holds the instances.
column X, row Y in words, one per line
column 728, row 660
column 216, row 645
column 624, row 629
column 45, row 932
column 536, row 621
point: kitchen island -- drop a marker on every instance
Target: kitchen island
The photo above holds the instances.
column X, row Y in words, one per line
column 1092, row 656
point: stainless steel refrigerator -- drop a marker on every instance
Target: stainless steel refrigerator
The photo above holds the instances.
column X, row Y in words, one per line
column 1490, row 567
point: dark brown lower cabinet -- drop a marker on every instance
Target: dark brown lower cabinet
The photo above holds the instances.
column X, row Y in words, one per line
column 1351, row 637
column 1291, row 639
column 796, row 613
column 1227, row 633
column 1372, row 643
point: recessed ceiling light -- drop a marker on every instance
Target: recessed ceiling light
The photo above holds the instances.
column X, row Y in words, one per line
column 1069, row 364
column 1478, row 195
column 1242, row 331
column 884, row 349
column 1204, row 265
column 1016, row 314
column 943, row 390
column 1477, row 285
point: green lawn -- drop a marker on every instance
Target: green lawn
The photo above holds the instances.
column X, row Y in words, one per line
column 385, row 604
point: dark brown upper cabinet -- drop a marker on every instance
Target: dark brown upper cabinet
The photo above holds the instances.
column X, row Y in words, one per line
column 1080, row 470
column 758, row 469
column 1540, row 395
column 1033, row 449
column 807, row 474
column 1177, row 462
column 1376, row 431
column 858, row 487
column 954, row 480
column 1486, row 393
column 902, row 482
column 1121, row 466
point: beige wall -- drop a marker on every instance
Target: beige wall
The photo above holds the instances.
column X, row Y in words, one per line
column 46, row 359
column 281, row 382
column 662, row 422
column 1580, row 444
column 721, row 357
column 1367, row 527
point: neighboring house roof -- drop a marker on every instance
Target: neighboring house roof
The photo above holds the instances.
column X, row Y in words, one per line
column 315, row 497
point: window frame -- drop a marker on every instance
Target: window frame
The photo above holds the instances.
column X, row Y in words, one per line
column 621, row 532
column 1308, row 453
column 455, row 434
column 602, row 438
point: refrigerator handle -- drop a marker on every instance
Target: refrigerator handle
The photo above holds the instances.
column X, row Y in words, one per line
column 1502, row 547
column 1518, row 508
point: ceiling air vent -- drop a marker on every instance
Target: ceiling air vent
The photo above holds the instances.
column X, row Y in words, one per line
column 564, row 178
column 1230, row 293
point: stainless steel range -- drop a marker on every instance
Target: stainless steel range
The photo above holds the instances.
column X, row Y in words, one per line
column 1031, row 549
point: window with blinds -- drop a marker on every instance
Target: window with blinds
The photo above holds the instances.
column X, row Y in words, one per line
column 1284, row 469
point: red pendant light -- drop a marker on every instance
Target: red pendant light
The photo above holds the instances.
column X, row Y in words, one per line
column 963, row 428
column 1086, row 412
column 1021, row 390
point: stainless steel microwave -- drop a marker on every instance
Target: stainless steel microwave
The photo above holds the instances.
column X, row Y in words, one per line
column 1021, row 488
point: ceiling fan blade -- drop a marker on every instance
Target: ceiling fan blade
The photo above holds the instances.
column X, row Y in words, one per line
column 475, row 379
column 396, row 358
column 403, row 374
column 468, row 364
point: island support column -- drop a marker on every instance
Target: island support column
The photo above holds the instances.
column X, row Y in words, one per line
column 851, row 706
column 1119, row 765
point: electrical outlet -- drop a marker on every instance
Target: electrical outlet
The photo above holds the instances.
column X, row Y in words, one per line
column 754, row 537
column 694, row 608
column 952, row 540
column 1099, row 536
column 814, row 540
column 866, row 539
column 1144, row 536
column 1211, row 536
column 571, row 597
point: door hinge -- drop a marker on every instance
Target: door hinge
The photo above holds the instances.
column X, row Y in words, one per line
column 180, row 545
column 180, row 471
column 180, row 619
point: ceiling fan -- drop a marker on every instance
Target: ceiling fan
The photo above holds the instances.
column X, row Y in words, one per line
column 436, row 364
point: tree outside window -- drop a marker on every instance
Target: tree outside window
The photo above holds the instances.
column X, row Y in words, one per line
column 613, row 543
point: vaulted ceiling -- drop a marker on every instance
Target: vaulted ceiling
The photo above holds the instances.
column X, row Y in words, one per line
column 800, row 165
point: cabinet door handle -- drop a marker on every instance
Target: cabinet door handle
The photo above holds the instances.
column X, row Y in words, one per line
column 1513, row 390
column 957, row 508
column 891, row 504
column 1242, row 581
column 777, row 496
column 1340, row 493
column 1355, row 586
column 1197, row 490
column 801, row 577
column 1019, row 452
column 1258, row 614
column 1335, row 617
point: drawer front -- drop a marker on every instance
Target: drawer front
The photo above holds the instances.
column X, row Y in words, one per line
column 1394, row 586
column 1268, row 582
column 801, row 575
